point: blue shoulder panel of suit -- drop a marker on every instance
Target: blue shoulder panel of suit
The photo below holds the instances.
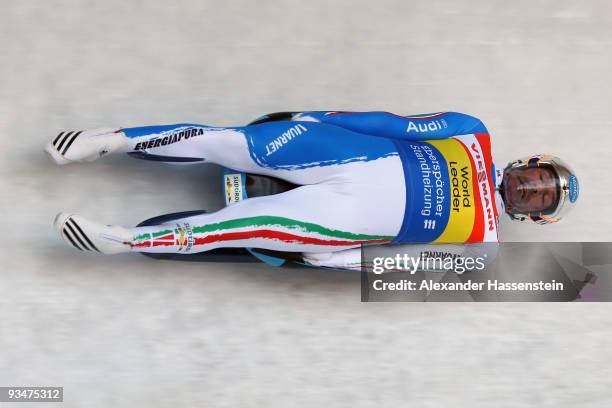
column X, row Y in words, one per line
column 431, row 126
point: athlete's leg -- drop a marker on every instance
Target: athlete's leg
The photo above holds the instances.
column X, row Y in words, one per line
column 355, row 188
column 283, row 222
column 300, row 152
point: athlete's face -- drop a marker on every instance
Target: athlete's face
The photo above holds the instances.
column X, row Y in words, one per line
column 532, row 189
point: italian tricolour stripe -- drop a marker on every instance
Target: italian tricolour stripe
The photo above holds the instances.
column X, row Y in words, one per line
column 424, row 116
column 265, row 227
column 155, row 239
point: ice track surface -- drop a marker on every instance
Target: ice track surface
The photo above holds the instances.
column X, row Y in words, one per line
column 127, row 331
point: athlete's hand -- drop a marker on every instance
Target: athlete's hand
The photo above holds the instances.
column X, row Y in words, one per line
column 85, row 146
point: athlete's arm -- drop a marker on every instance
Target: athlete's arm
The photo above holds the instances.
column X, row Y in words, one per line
column 440, row 125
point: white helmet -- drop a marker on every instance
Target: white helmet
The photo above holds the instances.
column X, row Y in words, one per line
column 567, row 188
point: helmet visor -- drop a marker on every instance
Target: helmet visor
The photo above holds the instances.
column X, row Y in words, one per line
column 528, row 190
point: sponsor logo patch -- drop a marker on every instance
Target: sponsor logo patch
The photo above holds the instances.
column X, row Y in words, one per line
column 485, row 194
column 233, row 189
column 183, row 235
column 429, row 126
column 285, row 138
column 169, row 138
column 573, row 188
column 461, row 185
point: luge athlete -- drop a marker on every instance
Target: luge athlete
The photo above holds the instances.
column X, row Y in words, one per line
column 363, row 177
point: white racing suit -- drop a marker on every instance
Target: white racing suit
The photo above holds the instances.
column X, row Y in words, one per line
column 370, row 178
